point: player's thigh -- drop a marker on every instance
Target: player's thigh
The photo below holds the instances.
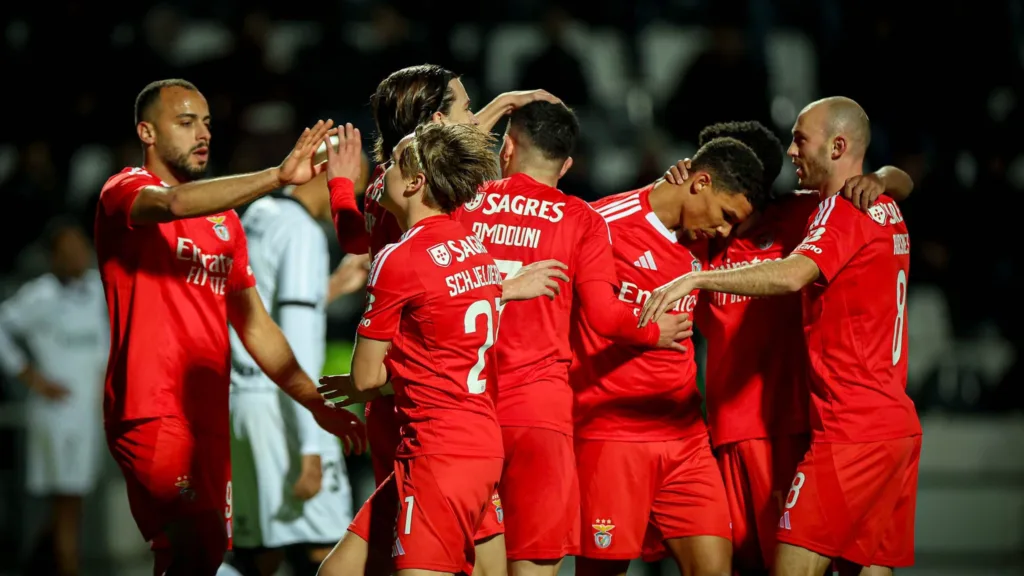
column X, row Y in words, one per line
column 614, row 526
column 492, row 523
column 351, row 557
column 374, row 523
column 896, row 547
column 441, row 500
column 690, row 498
column 540, row 492
column 701, row 555
column 490, row 557
column 793, row 560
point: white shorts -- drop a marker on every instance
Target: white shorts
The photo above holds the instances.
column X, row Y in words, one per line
column 62, row 455
column 266, row 462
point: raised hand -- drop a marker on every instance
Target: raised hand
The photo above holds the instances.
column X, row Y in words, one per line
column 299, row 168
column 521, row 98
column 345, row 160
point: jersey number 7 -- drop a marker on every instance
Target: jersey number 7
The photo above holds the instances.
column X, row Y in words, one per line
column 474, row 383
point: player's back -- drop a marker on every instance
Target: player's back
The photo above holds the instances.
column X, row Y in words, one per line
column 443, row 290
column 282, row 235
column 622, row 392
column 855, row 322
column 522, row 221
column 165, row 286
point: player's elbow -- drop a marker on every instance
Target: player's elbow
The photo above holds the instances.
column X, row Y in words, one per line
column 177, row 207
column 799, row 272
column 364, row 378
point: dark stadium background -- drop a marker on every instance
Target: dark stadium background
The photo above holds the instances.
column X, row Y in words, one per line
column 941, row 83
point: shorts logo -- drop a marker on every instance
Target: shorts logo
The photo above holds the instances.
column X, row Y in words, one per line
column 784, row 521
column 397, row 550
column 475, row 203
column 498, row 510
column 219, row 228
column 184, row 485
column 602, row 532
column 440, row 255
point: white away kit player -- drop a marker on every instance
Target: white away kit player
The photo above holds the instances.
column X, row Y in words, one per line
column 289, row 483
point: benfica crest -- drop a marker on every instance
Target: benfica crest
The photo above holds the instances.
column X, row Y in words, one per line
column 440, row 255
column 498, row 510
column 603, row 533
column 475, row 203
column 219, row 228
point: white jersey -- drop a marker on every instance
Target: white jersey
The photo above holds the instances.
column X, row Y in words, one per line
column 64, row 329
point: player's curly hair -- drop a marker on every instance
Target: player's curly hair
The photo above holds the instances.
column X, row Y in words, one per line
column 406, row 99
column 761, row 140
column 734, row 168
column 455, row 160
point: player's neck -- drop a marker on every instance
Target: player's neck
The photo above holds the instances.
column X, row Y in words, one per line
column 542, row 174
column 664, row 199
column 157, row 168
column 418, row 211
column 838, row 179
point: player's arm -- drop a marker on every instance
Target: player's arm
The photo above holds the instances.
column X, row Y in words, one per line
column 862, row 190
column 18, row 317
column 344, row 167
column 155, row 204
column 488, row 116
column 368, row 369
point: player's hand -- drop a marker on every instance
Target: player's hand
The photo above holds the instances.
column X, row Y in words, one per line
column 345, row 160
column 514, row 100
column 664, row 297
column 674, row 328
column 310, row 478
column 41, row 385
column 299, row 168
column 537, row 279
column 340, row 391
column 349, row 277
column 679, row 172
column 863, row 190
column 343, row 424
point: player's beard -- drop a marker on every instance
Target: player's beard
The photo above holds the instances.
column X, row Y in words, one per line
column 182, row 167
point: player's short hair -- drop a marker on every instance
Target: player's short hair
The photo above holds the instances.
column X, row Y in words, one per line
column 455, row 160
column 734, row 168
column 56, row 228
column 406, row 99
column 150, row 95
column 551, row 128
column 761, row 140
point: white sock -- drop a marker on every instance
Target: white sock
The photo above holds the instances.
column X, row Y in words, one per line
column 227, row 570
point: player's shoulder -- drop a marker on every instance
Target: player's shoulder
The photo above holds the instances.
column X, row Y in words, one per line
column 133, row 176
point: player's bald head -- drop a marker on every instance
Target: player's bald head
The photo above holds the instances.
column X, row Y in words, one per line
column 148, row 100
column 842, row 116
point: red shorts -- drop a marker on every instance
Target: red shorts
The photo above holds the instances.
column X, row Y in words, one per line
column 429, row 510
column 855, row 501
column 171, row 474
column 673, row 487
column 757, row 475
column 540, row 489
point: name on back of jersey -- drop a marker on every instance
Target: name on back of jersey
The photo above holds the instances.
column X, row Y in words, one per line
column 475, row 277
column 204, row 269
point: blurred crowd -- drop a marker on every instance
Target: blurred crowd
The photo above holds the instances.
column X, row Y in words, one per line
column 942, row 85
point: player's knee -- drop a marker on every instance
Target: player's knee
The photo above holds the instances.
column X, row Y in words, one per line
column 702, row 555
column 796, row 561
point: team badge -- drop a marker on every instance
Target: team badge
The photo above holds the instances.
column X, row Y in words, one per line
column 603, row 532
column 877, row 213
column 475, row 203
column 377, row 189
column 498, row 510
column 219, row 228
column 440, row 255
column 765, row 241
column 185, row 488
column 695, row 265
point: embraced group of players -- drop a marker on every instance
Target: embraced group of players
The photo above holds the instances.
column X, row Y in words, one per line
column 575, row 428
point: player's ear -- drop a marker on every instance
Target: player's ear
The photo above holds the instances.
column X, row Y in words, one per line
column 438, row 118
column 701, row 181
column 146, row 132
column 839, row 147
column 415, row 185
column 508, row 146
column 565, row 166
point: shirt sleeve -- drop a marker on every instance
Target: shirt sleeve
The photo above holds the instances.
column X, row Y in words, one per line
column 349, row 223
column 611, row 318
column 833, row 236
column 240, row 277
column 117, row 198
column 593, row 259
column 392, row 285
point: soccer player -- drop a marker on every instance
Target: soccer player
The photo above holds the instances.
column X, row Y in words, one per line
column 429, row 328
column 523, row 219
column 638, row 425
column 175, row 269
column 756, row 383
column 854, row 493
column 290, row 484
column 59, row 318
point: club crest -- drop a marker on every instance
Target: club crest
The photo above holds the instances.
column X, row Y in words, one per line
column 603, row 533
column 440, row 255
column 219, row 228
column 475, row 203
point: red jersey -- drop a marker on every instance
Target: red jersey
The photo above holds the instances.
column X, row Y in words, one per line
column 435, row 296
column 165, row 287
column 381, row 225
column 522, row 221
column 623, row 392
column 756, row 370
column 855, row 322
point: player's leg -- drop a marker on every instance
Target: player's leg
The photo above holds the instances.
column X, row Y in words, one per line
column 614, row 526
column 350, row 557
column 196, row 546
column 542, row 523
column 66, row 521
column 691, row 509
column 442, row 500
column 305, row 559
column 739, row 475
column 490, row 556
column 793, row 560
column 367, row 546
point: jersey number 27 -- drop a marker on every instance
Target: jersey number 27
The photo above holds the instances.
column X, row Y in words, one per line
column 475, row 382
